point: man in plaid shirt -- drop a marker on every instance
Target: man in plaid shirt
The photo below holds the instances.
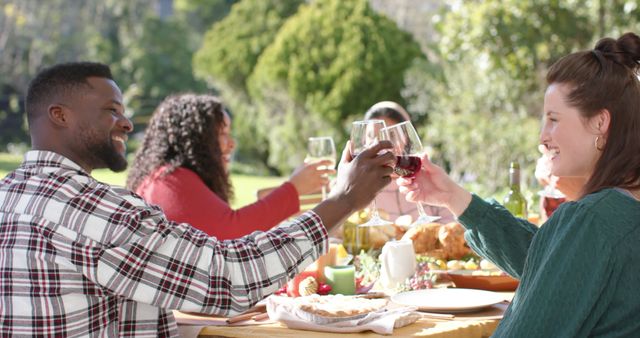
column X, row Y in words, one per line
column 79, row 257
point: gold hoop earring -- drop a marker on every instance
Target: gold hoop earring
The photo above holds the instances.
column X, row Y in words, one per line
column 596, row 144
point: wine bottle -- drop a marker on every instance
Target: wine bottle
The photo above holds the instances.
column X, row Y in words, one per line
column 515, row 201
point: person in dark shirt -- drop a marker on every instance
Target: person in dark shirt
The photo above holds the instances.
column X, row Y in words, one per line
column 578, row 271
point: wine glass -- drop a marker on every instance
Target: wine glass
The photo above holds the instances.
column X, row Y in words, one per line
column 363, row 135
column 551, row 198
column 408, row 150
column 320, row 149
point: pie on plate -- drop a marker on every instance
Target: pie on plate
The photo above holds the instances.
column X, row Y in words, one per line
column 334, row 308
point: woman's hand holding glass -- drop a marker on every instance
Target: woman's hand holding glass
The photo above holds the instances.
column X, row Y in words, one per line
column 432, row 185
column 312, row 176
column 408, row 150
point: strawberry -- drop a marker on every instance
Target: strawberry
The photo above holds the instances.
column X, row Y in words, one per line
column 323, row 289
column 359, row 282
column 281, row 291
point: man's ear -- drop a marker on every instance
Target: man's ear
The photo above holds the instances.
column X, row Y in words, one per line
column 58, row 114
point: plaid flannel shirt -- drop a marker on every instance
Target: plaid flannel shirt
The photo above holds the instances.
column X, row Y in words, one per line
column 79, row 257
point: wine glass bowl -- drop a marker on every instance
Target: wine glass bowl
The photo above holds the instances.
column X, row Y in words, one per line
column 407, row 147
column 320, row 149
column 551, row 199
column 364, row 134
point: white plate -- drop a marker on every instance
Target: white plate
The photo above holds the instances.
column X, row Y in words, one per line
column 448, row 300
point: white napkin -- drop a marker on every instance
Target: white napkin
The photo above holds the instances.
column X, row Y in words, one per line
column 381, row 322
column 189, row 331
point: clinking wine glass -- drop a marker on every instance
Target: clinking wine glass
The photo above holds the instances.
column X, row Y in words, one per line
column 363, row 135
column 551, row 198
column 408, row 150
column 320, row 149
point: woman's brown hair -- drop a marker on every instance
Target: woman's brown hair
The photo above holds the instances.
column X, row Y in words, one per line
column 183, row 132
column 607, row 78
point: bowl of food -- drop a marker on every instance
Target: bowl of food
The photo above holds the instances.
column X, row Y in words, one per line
column 491, row 280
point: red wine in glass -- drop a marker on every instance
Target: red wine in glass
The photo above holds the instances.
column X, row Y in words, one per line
column 551, row 199
column 408, row 150
column 550, row 204
column 407, row 165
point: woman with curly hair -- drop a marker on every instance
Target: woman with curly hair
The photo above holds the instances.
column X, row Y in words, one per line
column 183, row 166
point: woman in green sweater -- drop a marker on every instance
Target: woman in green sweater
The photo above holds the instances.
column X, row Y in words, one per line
column 579, row 273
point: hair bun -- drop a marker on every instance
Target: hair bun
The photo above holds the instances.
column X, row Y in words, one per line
column 625, row 50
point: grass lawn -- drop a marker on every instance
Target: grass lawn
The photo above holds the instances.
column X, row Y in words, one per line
column 244, row 186
column 8, row 162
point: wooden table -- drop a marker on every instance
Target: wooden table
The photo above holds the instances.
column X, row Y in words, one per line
column 421, row 328
column 472, row 325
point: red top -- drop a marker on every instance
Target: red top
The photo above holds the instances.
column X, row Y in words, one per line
column 186, row 199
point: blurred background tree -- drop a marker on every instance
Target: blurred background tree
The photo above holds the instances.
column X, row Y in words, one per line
column 231, row 47
column 148, row 44
column 159, row 65
column 483, row 91
column 199, row 15
column 331, row 60
column 226, row 58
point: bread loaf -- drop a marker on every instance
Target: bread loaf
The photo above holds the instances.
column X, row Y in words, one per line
column 424, row 237
column 451, row 238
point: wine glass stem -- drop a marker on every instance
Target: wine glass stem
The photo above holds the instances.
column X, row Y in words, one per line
column 324, row 192
column 374, row 210
column 356, row 230
column 421, row 211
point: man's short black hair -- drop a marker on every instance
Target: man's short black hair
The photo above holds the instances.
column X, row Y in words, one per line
column 55, row 82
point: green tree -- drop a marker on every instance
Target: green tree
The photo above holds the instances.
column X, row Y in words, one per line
column 484, row 94
column 35, row 34
column 332, row 60
column 474, row 127
column 149, row 56
column 118, row 26
column 232, row 46
column 226, row 58
column 614, row 17
column 201, row 14
column 160, row 65
column 519, row 37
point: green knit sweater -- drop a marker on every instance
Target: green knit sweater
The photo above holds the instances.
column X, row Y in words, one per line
column 578, row 273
